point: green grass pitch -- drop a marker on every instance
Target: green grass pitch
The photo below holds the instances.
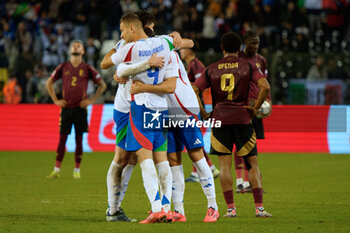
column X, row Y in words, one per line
column 304, row 192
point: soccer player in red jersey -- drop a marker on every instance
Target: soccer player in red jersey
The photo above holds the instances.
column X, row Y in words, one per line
column 229, row 80
column 250, row 53
column 75, row 75
column 194, row 69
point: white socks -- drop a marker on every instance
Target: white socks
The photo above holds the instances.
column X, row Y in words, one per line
column 150, row 182
column 246, row 184
column 178, row 188
column 239, row 181
column 126, row 174
column 57, row 169
column 113, row 186
column 207, row 182
column 165, row 179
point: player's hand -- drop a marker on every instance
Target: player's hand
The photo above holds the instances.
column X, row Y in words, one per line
column 120, row 80
column 86, row 102
column 177, row 39
column 252, row 111
column 156, row 61
column 61, row 103
column 206, row 115
column 137, row 87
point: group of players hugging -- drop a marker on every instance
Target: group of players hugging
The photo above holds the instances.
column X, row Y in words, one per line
column 153, row 82
column 154, row 88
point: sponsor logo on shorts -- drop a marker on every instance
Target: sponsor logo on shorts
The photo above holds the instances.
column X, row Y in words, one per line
column 197, row 142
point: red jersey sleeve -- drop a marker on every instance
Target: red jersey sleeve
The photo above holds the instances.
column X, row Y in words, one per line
column 94, row 75
column 203, row 81
column 256, row 73
column 57, row 73
column 195, row 69
column 264, row 68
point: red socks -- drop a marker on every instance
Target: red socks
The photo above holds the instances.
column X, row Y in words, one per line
column 258, row 197
column 228, row 195
column 61, row 149
column 78, row 149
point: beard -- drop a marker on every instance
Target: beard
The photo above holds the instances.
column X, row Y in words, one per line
column 76, row 54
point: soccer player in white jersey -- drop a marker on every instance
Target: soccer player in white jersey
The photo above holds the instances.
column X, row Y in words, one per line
column 118, row 175
column 139, row 138
column 182, row 102
column 117, row 181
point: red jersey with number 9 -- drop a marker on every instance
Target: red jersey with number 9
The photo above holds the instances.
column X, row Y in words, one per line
column 75, row 81
column 229, row 80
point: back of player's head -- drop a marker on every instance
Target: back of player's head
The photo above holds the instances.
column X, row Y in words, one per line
column 195, row 47
column 248, row 35
column 231, row 42
column 149, row 32
column 147, row 22
column 145, row 17
column 131, row 18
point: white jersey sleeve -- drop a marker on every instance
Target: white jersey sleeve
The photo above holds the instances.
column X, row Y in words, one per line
column 122, row 97
column 172, row 69
column 169, row 40
column 183, row 101
column 122, row 54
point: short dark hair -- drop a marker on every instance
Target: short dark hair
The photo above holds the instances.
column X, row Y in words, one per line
column 231, row 42
column 249, row 34
column 131, row 18
column 195, row 47
column 145, row 17
column 149, row 32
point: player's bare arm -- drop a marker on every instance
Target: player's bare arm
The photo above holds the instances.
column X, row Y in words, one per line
column 180, row 42
column 101, row 88
column 120, row 80
column 264, row 90
column 166, row 87
column 107, row 61
column 49, row 86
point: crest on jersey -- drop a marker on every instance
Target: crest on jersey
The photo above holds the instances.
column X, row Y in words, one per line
column 81, row 72
column 258, row 65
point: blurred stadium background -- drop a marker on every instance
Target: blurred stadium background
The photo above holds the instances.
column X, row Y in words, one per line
column 294, row 34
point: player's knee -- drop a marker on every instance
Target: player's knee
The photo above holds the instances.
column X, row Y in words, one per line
column 174, row 160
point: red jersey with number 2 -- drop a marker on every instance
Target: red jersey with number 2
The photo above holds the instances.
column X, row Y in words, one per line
column 229, row 80
column 75, row 81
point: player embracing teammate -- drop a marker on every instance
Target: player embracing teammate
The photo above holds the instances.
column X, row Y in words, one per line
column 155, row 70
column 145, row 142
